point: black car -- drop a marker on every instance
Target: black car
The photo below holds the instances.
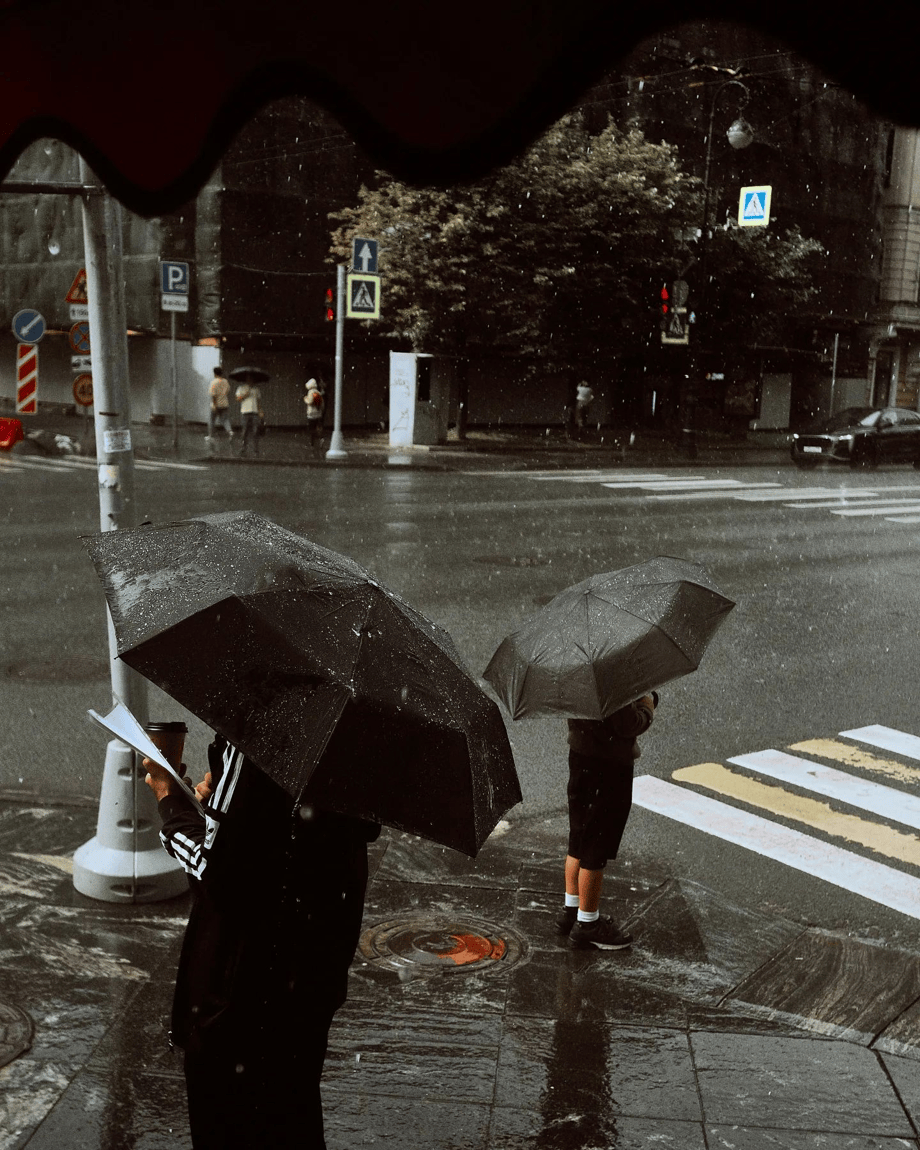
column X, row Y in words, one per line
column 862, row 437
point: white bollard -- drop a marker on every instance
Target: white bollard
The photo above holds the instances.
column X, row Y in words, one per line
column 125, row 862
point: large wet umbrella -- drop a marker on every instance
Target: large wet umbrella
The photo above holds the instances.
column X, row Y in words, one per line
column 609, row 640
column 333, row 685
column 249, row 375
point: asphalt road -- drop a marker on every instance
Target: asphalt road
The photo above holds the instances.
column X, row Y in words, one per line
column 823, row 566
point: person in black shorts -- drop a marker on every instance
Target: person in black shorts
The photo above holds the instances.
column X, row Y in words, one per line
column 601, row 757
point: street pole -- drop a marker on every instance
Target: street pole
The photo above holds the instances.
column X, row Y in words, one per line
column 175, row 381
column 125, row 861
column 742, row 140
column 336, row 442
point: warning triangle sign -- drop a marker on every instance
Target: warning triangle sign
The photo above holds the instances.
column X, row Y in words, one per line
column 362, row 299
column 754, row 208
column 77, row 293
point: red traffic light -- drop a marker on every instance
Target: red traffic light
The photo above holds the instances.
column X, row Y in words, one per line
column 664, row 299
column 330, row 305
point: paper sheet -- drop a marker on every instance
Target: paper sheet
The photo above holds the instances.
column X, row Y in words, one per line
column 123, row 725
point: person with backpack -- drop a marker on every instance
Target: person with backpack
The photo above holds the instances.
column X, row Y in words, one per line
column 316, row 408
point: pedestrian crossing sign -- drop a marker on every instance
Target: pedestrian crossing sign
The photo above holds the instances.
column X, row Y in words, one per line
column 362, row 296
column 754, row 206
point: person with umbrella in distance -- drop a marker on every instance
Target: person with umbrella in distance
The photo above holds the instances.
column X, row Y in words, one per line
column 594, row 653
column 249, row 398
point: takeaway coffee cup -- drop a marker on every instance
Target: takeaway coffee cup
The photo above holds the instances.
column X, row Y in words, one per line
column 170, row 738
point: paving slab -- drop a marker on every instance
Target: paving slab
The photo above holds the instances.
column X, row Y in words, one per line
column 470, row 1022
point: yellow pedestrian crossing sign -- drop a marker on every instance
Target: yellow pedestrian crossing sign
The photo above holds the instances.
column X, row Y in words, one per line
column 754, row 206
column 362, row 296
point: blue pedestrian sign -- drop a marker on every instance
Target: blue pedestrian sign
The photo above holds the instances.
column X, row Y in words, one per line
column 28, row 325
column 754, row 206
column 174, row 277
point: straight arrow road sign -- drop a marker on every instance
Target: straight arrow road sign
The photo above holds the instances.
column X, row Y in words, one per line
column 364, row 255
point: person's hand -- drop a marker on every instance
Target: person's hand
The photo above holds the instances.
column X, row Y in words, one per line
column 160, row 780
column 648, row 701
column 203, row 790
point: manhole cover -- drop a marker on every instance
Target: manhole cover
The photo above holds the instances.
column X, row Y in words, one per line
column 67, row 669
column 514, row 560
column 424, row 946
column 15, row 1032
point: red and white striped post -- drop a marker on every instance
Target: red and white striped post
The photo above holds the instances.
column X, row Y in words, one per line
column 26, row 378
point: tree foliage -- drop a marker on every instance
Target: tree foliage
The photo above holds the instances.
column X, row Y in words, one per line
column 560, row 255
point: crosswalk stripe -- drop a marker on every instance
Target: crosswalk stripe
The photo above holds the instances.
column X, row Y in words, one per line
column 887, row 738
column 57, row 466
column 833, row 784
column 863, row 501
column 855, row 757
column 713, row 493
column 880, row 509
column 902, row 518
column 872, row 880
column 615, row 478
column 817, row 815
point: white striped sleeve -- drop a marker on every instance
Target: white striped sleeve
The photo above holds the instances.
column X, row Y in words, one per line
column 192, row 850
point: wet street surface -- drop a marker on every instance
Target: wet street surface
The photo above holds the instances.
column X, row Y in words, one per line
column 770, row 871
column 470, row 1022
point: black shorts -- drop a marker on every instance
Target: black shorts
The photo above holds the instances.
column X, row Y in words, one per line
column 600, row 799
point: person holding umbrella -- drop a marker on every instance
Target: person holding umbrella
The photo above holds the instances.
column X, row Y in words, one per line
column 601, row 757
column 594, row 653
column 249, row 398
column 338, row 707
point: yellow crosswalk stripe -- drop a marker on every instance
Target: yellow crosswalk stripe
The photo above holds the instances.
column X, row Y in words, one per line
column 854, row 757
column 818, row 815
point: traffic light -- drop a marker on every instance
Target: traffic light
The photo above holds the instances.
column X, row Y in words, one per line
column 664, row 300
column 330, row 305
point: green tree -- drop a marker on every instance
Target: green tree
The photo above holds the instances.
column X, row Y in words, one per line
column 560, row 254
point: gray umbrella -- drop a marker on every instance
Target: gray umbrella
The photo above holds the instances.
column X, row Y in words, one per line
column 334, row 686
column 609, row 640
column 249, row 375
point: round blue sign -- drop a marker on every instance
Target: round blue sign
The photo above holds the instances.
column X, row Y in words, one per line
column 28, row 325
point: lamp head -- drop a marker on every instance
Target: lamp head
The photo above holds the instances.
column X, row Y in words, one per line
column 740, row 134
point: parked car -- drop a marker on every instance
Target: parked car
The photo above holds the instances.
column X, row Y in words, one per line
column 862, row 437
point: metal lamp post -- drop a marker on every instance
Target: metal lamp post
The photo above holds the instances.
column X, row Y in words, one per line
column 740, row 135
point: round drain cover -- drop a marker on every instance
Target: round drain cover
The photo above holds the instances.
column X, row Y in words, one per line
column 15, row 1032
column 420, row 946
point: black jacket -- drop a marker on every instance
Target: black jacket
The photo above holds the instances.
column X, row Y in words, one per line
column 278, row 900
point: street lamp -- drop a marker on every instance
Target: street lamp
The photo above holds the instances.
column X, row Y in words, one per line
column 740, row 135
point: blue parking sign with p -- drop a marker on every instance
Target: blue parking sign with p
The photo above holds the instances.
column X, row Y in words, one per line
column 174, row 278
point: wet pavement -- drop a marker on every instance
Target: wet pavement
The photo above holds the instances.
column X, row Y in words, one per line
column 470, row 1023
column 493, row 448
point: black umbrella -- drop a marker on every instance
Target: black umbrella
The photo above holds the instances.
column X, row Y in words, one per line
column 334, row 686
column 609, row 640
column 249, row 375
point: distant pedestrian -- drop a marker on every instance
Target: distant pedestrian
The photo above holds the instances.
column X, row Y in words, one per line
column 601, row 757
column 219, row 404
column 316, row 409
column 250, row 401
column 584, row 397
